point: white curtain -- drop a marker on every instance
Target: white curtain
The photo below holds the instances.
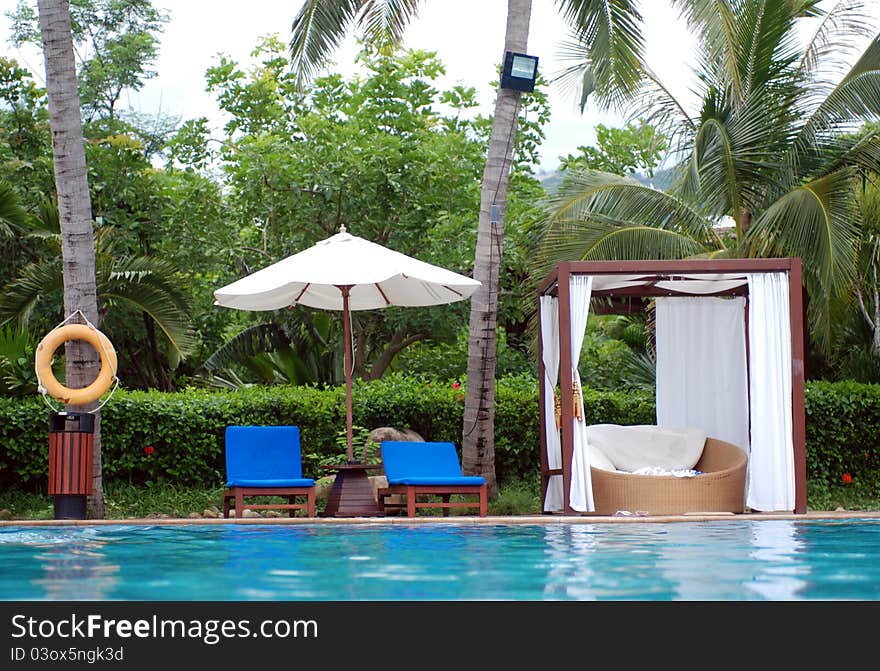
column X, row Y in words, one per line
column 581, row 495
column 770, row 483
column 701, row 366
column 549, row 306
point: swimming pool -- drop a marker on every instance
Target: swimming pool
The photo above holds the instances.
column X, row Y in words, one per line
column 738, row 560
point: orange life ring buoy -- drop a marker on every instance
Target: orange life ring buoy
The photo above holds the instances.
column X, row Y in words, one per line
column 46, row 351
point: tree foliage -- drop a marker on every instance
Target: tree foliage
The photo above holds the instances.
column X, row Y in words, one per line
column 116, row 44
column 384, row 153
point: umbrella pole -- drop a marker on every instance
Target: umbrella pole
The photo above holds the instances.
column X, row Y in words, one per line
column 346, row 334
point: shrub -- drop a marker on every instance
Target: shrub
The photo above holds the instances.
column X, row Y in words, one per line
column 843, row 431
column 154, row 437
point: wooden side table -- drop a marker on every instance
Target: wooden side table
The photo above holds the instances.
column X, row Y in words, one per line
column 352, row 494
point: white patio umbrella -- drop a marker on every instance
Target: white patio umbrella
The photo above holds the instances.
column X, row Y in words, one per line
column 345, row 272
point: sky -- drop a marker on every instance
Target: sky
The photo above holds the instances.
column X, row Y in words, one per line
column 468, row 36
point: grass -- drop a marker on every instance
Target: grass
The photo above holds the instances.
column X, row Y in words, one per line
column 854, row 496
column 121, row 501
column 124, row 501
column 520, row 497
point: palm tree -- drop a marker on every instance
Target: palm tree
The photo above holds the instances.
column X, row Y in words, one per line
column 75, row 209
column 773, row 151
column 608, row 26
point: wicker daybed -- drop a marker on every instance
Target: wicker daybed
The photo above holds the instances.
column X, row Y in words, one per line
column 720, row 487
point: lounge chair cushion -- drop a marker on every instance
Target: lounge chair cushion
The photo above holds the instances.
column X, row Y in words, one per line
column 248, row 482
column 264, row 456
column 630, row 448
column 422, row 463
column 443, row 482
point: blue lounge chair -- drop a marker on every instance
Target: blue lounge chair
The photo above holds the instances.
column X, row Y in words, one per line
column 416, row 469
column 266, row 461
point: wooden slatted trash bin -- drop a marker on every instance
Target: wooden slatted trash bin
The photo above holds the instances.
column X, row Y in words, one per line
column 71, row 446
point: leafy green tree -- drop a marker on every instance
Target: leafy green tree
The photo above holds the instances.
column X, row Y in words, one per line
column 139, row 216
column 25, row 141
column 372, row 153
column 142, row 212
column 770, row 150
column 622, row 151
column 116, row 45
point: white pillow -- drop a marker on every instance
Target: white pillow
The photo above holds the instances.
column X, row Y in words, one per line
column 630, row 448
column 598, row 458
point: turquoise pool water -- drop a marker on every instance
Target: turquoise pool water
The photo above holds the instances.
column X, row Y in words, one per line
column 732, row 560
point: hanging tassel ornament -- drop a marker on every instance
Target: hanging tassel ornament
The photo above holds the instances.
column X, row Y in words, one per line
column 557, row 410
column 576, row 399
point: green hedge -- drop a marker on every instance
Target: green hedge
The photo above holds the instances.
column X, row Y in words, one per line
column 843, row 431
column 185, row 429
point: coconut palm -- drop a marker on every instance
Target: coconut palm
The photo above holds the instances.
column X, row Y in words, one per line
column 609, row 27
column 773, row 151
column 74, row 204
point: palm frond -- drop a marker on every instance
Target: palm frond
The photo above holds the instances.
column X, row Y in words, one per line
column 384, row 21
column 253, row 340
column 604, row 240
column 606, row 49
column 818, row 222
column 12, row 214
column 735, row 157
column 45, row 222
column 228, row 379
column 273, row 353
column 22, row 294
column 657, row 106
column 771, row 48
column 836, row 34
column 319, row 27
column 714, row 23
column 640, row 370
column 591, row 194
column 837, row 152
column 600, row 216
column 855, row 99
column 149, row 285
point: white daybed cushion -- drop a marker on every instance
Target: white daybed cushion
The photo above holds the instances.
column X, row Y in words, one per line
column 629, row 448
column 598, row 459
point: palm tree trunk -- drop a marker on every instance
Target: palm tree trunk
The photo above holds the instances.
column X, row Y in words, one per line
column 74, row 208
column 478, row 433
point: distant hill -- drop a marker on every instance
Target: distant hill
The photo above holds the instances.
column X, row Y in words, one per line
column 662, row 179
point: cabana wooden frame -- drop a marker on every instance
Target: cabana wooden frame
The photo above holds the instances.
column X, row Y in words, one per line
column 557, row 284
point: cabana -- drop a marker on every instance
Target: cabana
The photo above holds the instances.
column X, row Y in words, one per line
column 730, row 360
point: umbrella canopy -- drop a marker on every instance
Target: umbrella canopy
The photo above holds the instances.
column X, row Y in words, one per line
column 379, row 277
column 345, row 272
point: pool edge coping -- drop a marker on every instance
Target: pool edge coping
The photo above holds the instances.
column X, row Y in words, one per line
column 456, row 519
